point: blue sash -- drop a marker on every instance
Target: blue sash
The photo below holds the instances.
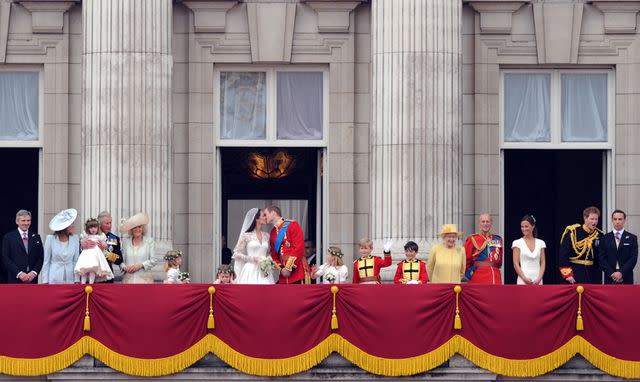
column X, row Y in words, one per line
column 281, row 234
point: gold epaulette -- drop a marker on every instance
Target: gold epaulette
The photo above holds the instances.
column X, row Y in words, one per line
column 570, row 228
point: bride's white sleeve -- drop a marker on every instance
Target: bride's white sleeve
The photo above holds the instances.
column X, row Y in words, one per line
column 239, row 252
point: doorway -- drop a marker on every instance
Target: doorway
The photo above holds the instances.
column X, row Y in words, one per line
column 259, row 176
column 21, row 172
column 554, row 186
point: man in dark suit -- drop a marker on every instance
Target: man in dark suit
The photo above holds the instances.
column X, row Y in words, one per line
column 618, row 252
column 22, row 252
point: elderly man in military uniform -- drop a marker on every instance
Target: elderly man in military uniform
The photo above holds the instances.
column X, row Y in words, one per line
column 113, row 253
column 578, row 250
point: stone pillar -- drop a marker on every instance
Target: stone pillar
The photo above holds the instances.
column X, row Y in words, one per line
column 126, row 90
column 416, row 139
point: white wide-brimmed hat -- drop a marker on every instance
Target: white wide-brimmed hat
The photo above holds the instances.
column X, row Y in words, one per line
column 138, row 219
column 63, row 219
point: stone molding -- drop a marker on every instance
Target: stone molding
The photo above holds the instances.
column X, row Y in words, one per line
column 47, row 17
column 271, row 31
column 560, row 21
column 619, row 16
column 333, row 17
column 495, row 16
column 209, row 16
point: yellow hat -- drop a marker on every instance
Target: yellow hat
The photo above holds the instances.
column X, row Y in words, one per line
column 450, row 228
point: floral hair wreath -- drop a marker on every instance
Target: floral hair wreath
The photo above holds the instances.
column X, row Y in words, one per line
column 335, row 252
column 172, row 255
column 225, row 269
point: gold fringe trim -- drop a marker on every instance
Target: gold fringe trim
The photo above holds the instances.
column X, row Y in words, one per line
column 305, row 361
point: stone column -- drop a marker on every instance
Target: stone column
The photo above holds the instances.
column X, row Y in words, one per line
column 416, row 139
column 126, row 90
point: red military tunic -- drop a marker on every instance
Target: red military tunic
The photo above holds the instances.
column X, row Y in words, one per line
column 292, row 245
column 367, row 269
column 411, row 270
column 484, row 258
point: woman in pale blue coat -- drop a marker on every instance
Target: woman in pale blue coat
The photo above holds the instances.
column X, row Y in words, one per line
column 61, row 250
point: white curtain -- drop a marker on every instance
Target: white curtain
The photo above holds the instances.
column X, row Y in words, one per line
column 584, row 107
column 300, row 105
column 236, row 210
column 526, row 107
column 243, row 105
column 19, row 106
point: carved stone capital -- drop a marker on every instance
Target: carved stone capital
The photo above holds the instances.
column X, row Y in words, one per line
column 495, row 16
column 333, row 16
column 619, row 16
column 209, row 16
column 47, row 16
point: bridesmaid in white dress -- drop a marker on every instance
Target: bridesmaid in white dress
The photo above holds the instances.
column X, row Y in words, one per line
column 252, row 248
column 528, row 254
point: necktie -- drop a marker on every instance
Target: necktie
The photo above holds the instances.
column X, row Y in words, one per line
column 25, row 241
column 617, row 234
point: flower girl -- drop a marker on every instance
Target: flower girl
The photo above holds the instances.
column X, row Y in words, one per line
column 172, row 263
column 92, row 264
column 333, row 271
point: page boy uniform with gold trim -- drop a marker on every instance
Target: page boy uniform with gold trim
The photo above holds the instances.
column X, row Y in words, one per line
column 366, row 269
column 411, row 270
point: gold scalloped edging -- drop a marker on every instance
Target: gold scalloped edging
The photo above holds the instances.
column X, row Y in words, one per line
column 312, row 357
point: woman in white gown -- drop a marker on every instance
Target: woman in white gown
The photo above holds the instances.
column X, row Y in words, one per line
column 528, row 253
column 252, row 248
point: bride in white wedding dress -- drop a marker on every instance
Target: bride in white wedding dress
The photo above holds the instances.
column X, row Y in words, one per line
column 252, row 248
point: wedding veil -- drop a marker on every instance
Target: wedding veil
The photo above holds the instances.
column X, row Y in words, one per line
column 248, row 220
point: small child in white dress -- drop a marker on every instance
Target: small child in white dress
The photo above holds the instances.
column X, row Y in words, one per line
column 92, row 264
column 333, row 271
column 225, row 275
column 172, row 263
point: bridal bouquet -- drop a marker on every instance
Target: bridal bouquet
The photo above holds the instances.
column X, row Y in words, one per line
column 266, row 266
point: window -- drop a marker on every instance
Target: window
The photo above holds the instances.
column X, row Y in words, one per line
column 271, row 106
column 19, row 106
column 548, row 108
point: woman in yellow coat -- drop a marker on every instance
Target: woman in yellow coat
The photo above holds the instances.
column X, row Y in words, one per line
column 447, row 260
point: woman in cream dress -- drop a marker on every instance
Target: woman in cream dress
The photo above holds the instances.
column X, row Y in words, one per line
column 138, row 251
column 528, row 254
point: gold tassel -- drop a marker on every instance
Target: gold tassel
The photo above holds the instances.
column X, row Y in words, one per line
column 457, row 322
column 334, row 318
column 211, row 324
column 87, row 321
column 579, row 323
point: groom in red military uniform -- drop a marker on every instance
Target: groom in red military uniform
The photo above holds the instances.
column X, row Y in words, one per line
column 287, row 248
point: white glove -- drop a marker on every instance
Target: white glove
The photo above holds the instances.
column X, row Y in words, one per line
column 410, row 282
column 387, row 245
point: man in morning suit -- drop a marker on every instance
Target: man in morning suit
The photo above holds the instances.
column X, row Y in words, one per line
column 22, row 252
column 618, row 252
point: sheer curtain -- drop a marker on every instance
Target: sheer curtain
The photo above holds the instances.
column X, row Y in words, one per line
column 300, row 105
column 19, row 106
column 584, row 107
column 243, row 105
column 526, row 107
